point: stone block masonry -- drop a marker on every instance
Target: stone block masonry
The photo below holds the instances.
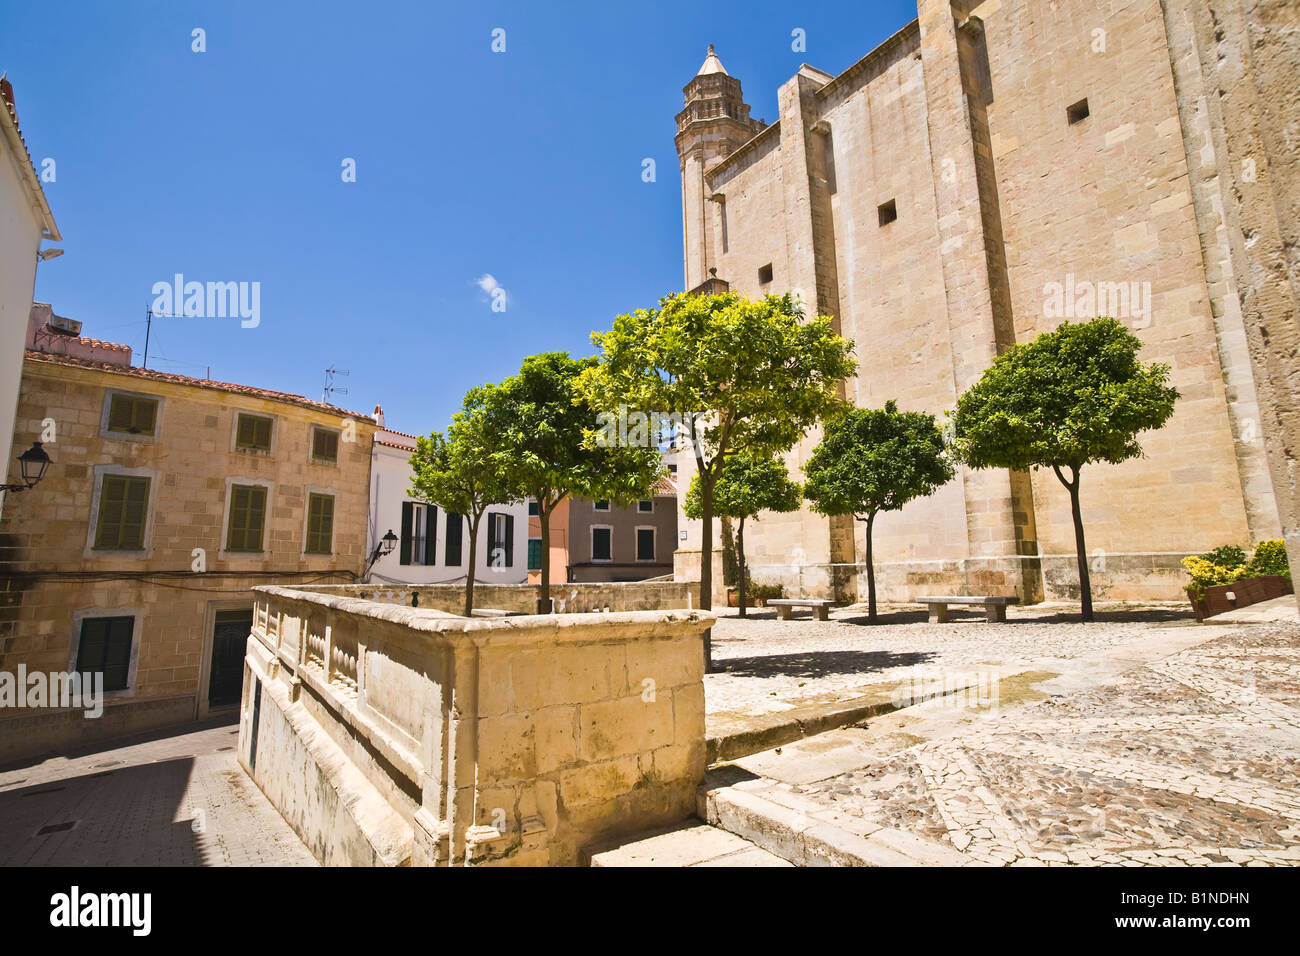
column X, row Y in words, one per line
column 392, row 735
column 932, row 196
column 177, row 579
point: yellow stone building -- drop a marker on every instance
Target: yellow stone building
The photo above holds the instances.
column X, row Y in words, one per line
column 991, row 170
column 168, row 498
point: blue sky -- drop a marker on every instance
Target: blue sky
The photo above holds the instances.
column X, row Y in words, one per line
column 524, row 165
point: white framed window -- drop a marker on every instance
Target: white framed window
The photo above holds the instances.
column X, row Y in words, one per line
column 419, row 533
column 130, row 415
column 121, row 512
column 245, row 524
column 645, row 506
column 419, row 540
column 645, row 543
column 500, row 540
column 107, row 641
column 602, row 543
column 602, row 505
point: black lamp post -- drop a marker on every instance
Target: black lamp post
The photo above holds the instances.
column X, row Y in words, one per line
column 385, row 546
column 33, row 462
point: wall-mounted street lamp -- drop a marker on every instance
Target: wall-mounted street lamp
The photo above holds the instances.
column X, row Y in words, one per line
column 33, row 461
column 385, row 546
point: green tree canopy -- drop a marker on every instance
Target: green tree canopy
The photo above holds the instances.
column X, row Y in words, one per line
column 873, row 460
column 459, row 473
column 737, row 374
column 1070, row 397
column 539, row 424
column 752, row 482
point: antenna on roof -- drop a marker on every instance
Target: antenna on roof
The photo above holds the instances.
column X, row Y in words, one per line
column 148, row 327
column 330, row 387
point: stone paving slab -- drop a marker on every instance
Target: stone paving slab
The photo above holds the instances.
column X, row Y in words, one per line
column 1274, row 610
column 689, row 844
column 175, row 799
column 1191, row 758
column 764, row 666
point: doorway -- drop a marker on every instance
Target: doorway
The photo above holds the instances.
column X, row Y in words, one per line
column 229, row 640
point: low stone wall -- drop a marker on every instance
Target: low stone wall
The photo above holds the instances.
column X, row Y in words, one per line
column 686, row 569
column 1152, row 576
column 393, row 735
column 571, row 598
column 30, row 735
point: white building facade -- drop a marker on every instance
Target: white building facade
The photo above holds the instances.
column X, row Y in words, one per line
column 25, row 220
column 433, row 545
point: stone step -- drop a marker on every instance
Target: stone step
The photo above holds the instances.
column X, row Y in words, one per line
column 802, row 835
column 732, row 736
column 688, row 844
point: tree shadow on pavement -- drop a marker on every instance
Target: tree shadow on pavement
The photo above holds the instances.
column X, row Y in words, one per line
column 814, row 664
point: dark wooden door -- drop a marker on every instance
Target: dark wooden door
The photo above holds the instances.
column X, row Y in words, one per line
column 229, row 641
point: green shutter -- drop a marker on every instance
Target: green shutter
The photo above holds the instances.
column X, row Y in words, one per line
column 602, row 544
column 131, row 414
column 455, row 529
column 320, row 524
column 247, row 518
column 510, row 541
column 408, row 522
column 105, row 647
column 491, row 538
column 123, row 510
column 324, row 444
column 430, row 534
column 254, row 432
column 534, row 554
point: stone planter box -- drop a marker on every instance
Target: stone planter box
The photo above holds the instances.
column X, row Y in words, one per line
column 1238, row 594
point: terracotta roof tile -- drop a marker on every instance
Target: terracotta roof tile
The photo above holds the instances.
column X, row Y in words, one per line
column 230, row 387
column 7, row 97
column 101, row 344
column 665, row 486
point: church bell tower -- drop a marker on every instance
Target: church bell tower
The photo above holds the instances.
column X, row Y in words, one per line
column 712, row 125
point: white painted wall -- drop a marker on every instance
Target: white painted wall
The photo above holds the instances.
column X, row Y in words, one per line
column 390, row 480
column 20, row 239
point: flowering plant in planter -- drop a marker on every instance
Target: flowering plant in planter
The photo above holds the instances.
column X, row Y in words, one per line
column 1228, row 565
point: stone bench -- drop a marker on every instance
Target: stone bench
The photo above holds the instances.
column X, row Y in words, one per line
column 995, row 608
column 821, row 607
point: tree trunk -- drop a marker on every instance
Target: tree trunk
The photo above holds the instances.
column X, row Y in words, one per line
column 706, row 543
column 1085, row 579
column 871, row 574
column 544, row 589
column 473, row 558
column 740, row 553
column 1080, row 549
column 706, row 565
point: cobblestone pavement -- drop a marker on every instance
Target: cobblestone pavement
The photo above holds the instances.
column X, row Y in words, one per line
column 176, row 800
column 765, row 665
column 1190, row 759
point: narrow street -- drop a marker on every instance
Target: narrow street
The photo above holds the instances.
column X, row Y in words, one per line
column 163, row 799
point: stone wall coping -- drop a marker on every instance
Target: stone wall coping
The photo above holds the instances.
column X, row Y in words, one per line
column 906, row 40
column 590, row 627
column 556, row 587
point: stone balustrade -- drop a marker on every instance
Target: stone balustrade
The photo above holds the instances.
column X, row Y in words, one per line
column 430, row 739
